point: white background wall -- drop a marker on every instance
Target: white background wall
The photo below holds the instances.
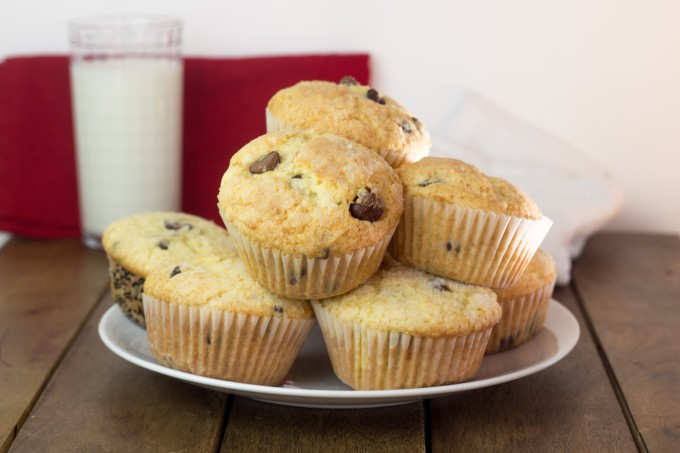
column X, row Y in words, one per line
column 603, row 74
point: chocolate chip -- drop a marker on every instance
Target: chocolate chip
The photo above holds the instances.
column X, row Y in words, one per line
column 298, row 176
column 265, row 163
column 163, row 245
column 405, row 126
column 428, row 181
column 208, row 339
column 326, row 253
column 293, row 280
column 349, row 81
column 367, row 206
column 373, row 95
column 170, row 225
column 450, row 246
column 441, row 286
column 175, row 271
column 415, row 120
column 303, row 273
column 278, row 308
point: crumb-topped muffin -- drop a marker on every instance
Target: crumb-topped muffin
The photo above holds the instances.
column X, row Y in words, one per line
column 405, row 328
column 138, row 244
column 207, row 316
column 311, row 213
column 525, row 304
column 465, row 225
column 357, row 112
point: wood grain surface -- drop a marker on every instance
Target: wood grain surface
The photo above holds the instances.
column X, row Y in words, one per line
column 99, row 402
column 256, row 427
column 47, row 289
column 630, row 288
column 567, row 407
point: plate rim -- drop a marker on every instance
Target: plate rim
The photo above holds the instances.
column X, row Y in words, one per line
column 295, row 396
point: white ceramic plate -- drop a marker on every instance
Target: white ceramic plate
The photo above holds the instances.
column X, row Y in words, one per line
column 312, row 383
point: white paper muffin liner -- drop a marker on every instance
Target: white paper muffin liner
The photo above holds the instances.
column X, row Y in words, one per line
column 394, row 158
column 369, row 359
column 522, row 318
column 302, row 277
column 465, row 244
column 224, row 345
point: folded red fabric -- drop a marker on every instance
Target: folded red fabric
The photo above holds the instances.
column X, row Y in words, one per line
column 224, row 102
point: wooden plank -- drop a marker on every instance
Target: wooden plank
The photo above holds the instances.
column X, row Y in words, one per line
column 630, row 287
column 99, row 402
column 47, row 289
column 254, row 426
column 568, row 407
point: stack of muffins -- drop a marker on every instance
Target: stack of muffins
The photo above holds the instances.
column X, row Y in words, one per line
column 312, row 208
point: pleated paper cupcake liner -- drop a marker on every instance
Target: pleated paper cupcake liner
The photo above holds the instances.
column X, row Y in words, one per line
column 230, row 346
column 464, row 244
column 394, row 158
column 126, row 289
column 302, row 277
column 369, row 359
column 522, row 319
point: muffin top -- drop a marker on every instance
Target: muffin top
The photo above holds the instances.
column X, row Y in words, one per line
column 303, row 192
column 142, row 242
column 354, row 111
column 403, row 299
column 456, row 182
column 540, row 272
column 220, row 283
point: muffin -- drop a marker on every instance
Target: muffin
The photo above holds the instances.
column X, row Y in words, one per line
column 311, row 214
column 405, row 328
column 208, row 317
column 462, row 224
column 525, row 304
column 138, row 244
column 357, row 112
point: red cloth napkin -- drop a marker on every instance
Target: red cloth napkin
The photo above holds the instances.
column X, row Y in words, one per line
column 224, row 102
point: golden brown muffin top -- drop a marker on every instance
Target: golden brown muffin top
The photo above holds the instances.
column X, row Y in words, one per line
column 302, row 192
column 222, row 284
column 456, row 182
column 357, row 112
column 540, row 271
column 402, row 299
column 144, row 241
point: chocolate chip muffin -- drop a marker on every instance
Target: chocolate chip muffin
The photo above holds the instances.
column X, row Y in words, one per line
column 357, row 112
column 525, row 304
column 465, row 225
column 405, row 328
column 138, row 244
column 311, row 213
column 208, row 317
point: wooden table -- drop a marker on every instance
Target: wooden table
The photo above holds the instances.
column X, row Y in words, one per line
column 61, row 389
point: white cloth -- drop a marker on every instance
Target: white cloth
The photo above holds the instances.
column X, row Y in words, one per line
column 577, row 193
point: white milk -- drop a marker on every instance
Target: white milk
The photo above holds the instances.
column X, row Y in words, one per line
column 128, row 121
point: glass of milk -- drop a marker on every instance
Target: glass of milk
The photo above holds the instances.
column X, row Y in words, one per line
column 126, row 83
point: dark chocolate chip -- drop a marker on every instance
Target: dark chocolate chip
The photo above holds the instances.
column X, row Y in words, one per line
column 405, row 126
column 265, row 163
column 450, row 246
column 293, row 280
column 428, row 181
column 367, row 206
column 175, row 271
column 278, row 308
column 349, row 81
column 374, row 96
column 170, row 225
column 163, row 245
column 326, row 254
column 208, row 339
column 303, row 273
column 298, row 176
column 441, row 286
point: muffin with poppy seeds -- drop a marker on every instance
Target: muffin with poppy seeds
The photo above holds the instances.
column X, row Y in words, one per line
column 311, row 213
column 137, row 244
column 357, row 112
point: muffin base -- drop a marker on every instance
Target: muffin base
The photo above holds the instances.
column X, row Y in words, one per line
column 223, row 345
column 127, row 289
column 369, row 359
column 303, row 277
column 522, row 318
column 469, row 245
